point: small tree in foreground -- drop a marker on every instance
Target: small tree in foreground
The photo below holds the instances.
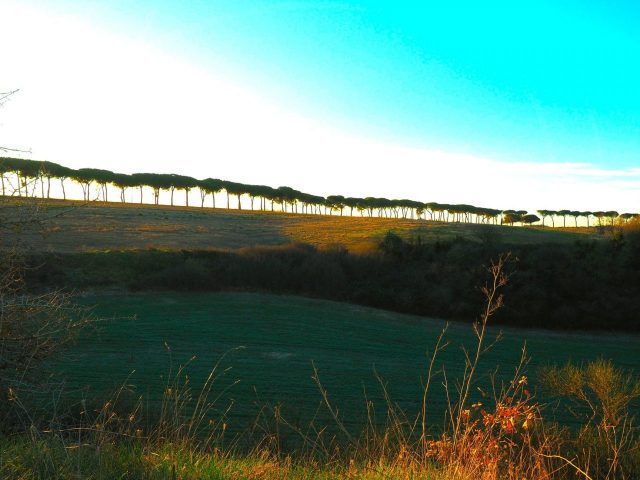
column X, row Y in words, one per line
column 600, row 396
column 33, row 326
column 32, row 329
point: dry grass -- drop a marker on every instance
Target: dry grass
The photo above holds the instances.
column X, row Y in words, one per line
column 76, row 226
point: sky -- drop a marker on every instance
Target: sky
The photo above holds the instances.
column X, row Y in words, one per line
column 523, row 105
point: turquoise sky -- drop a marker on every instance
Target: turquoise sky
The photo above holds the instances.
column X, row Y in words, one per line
column 536, row 81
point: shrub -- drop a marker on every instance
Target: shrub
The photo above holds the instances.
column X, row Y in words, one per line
column 601, row 396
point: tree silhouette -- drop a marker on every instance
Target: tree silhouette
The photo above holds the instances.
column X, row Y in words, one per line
column 351, row 203
column 316, row 201
column 4, row 169
column 575, row 214
column 27, row 171
column 599, row 215
column 87, row 176
column 103, row 178
column 335, row 202
column 141, row 180
column 181, row 182
column 33, row 173
column 543, row 214
column 211, row 186
column 10, row 165
column 529, row 219
column 287, row 196
column 123, row 181
column 563, row 214
column 269, row 193
column 508, row 217
column 253, row 191
column 611, row 215
column 431, row 209
column 61, row 173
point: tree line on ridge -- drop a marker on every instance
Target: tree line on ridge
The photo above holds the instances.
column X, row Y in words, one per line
column 41, row 173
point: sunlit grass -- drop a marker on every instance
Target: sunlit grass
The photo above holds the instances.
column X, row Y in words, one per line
column 52, row 457
column 76, row 226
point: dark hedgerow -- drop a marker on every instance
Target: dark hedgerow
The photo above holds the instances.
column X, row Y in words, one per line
column 584, row 285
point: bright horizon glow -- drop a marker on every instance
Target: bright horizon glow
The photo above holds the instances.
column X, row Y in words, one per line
column 101, row 96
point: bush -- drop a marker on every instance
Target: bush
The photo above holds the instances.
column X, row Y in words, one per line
column 601, row 396
column 33, row 326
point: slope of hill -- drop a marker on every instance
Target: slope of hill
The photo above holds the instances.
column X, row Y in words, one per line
column 557, row 282
column 75, row 226
column 281, row 336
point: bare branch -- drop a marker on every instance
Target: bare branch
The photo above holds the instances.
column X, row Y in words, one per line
column 7, row 149
column 4, row 96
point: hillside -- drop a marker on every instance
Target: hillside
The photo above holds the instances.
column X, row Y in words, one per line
column 78, row 227
column 424, row 268
column 281, row 336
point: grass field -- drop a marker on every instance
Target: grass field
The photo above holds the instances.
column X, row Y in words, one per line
column 75, row 226
column 281, row 337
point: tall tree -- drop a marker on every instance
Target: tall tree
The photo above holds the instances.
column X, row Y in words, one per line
column 211, row 186
column 10, row 165
column 351, row 203
column 544, row 214
column 27, row 173
column 51, row 170
column 335, row 202
column 237, row 189
column 103, row 178
column 287, row 195
column 181, row 182
column 84, row 177
column 563, row 214
column 599, row 215
column 611, row 215
column 141, row 180
column 4, row 169
column 575, row 214
column 87, row 176
column 508, row 217
column 61, row 173
column 123, row 181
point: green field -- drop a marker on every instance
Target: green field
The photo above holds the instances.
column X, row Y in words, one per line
column 78, row 227
column 281, row 336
